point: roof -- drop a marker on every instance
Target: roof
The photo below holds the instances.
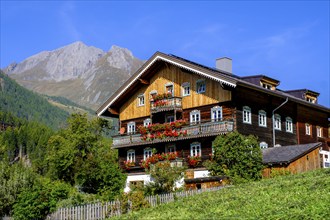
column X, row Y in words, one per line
column 301, row 92
column 287, row 154
column 256, row 79
column 224, row 78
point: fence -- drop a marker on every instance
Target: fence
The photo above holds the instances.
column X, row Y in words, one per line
column 100, row 211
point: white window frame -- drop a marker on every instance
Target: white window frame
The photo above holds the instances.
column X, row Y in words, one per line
column 185, row 89
column 141, row 100
column 168, row 85
column 131, row 127
column 152, row 93
column 319, row 131
column 216, row 113
column 266, row 86
column 262, row 117
column 200, row 86
column 263, row 145
column 146, row 122
column 247, row 115
column 168, row 148
column 277, row 122
column 288, row 125
column 195, row 149
column 131, row 155
column 147, row 152
column 308, row 129
column 195, row 116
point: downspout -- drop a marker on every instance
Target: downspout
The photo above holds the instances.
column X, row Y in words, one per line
column 273, row 117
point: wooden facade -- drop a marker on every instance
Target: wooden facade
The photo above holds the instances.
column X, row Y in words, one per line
column 222, row 89
column 172, row 75
column 307, row 162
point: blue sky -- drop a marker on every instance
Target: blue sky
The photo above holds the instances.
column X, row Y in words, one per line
column 286, row 40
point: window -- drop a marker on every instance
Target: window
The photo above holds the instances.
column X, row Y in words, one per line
column 185, row 89
column 147, row 153
column 170, row 148
column 153, row 94
column 247, row 114
column 131, row 155
column 169, row 118
column 131, row 127
column 288, row 125
column 319, row 131
column 141, row 100
column 195, row 116
column 277, row 122
column 311, row 99
column 263, row 145
column 308, row 129
column 266, row 86
column 216, row 113
column 201, row 86
column 195, row 149
column 169, row 88
column 262, row 118
column 146, row 122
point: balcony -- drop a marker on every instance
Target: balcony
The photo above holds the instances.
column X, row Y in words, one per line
column 202, row 129
column 166, row 104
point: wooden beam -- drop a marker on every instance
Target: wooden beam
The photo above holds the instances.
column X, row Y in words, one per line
column 113, row 111
column 145, row 82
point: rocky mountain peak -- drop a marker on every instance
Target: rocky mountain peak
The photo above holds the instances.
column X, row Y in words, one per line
column 120, row 58
column 84, row 74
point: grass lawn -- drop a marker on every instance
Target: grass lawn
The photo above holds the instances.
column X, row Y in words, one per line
column 302, row 196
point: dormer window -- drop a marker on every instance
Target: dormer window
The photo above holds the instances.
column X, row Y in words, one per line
column 311, row 99
column 266, row 86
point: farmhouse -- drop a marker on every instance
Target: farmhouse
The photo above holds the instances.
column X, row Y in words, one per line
column 178, row 107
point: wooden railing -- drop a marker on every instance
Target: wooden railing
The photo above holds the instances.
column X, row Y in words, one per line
column 166, row 104
column 100, row 211
column 193, row 130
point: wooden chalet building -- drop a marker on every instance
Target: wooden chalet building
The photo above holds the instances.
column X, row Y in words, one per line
column 206, row 102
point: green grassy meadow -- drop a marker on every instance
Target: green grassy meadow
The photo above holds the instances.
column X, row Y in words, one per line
column 302, row 196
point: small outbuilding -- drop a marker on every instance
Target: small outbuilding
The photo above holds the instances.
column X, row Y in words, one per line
column 293, row 158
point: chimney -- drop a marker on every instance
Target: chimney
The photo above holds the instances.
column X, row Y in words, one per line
column 224, row 64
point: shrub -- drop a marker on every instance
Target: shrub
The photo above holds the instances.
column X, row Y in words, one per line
column 40, row 200
column 236, row 156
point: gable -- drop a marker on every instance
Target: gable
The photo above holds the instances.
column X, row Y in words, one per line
column 149, row 68
column 175, row 76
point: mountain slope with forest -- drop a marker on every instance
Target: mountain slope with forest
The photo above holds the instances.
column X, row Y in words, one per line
column 25, row 104
column 83, row 74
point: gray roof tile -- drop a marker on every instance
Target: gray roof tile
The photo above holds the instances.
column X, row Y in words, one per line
column 287, row 154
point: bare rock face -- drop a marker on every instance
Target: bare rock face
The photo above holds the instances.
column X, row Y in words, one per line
column 84, row 74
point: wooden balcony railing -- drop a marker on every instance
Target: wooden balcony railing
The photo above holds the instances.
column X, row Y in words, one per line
column 166, row 104
column 201, row 129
